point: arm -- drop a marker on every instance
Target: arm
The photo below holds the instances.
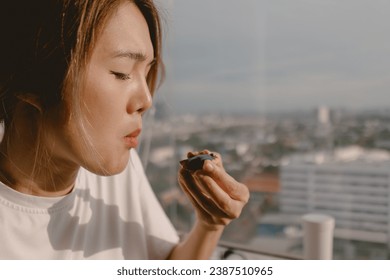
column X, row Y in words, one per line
column 199, row 244
column 217, row 198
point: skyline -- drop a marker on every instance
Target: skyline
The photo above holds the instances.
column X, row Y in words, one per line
column 265, row 56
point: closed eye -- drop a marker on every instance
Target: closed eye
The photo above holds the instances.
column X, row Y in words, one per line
column 120, row 76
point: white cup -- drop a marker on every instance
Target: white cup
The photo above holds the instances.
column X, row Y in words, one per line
column 318, row 236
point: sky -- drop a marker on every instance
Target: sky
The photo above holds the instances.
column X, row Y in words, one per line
column 275, row 55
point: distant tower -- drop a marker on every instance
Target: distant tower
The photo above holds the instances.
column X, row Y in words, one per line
column 324, row 130
column 323, row 115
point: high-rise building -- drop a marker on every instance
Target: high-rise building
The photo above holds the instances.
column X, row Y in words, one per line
column 351, row 184
column 324, row 130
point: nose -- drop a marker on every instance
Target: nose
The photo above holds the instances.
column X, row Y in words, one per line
column 141, row 100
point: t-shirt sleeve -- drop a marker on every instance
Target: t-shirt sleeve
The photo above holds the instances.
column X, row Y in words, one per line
column 160, row 234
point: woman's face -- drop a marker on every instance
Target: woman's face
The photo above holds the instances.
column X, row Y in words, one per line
column 115, row 94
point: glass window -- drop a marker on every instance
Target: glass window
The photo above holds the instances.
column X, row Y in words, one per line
column 294, row 95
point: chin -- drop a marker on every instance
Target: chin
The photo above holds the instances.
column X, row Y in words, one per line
column 109, row 166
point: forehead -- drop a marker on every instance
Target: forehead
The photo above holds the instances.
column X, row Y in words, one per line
column 125, row 30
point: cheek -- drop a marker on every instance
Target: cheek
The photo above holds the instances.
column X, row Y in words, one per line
column 103, row 101
column 104, row 111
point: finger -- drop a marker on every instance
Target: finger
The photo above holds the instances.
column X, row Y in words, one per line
column 187, row 177
column 217, row 157
column 231, row 207
column 199, row 210
column 234, row 189
column 203, row 152
column 192, row 154
column 200, row 200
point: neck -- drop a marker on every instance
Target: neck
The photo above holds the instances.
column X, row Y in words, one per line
column 31, row 163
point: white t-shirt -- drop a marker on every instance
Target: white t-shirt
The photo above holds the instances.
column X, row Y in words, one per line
column 116, row 217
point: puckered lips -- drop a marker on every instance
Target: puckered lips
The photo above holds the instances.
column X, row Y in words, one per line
column 131, row 140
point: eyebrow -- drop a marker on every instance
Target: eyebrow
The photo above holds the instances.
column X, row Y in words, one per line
column 137, row 56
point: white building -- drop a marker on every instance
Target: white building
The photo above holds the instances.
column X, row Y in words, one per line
column 350, row 184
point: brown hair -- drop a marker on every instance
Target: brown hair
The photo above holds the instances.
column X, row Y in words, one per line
column 45, row 46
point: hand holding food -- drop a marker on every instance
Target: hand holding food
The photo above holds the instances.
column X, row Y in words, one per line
column 217, row 197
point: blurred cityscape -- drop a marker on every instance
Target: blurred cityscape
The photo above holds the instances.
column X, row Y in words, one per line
column 331, row 161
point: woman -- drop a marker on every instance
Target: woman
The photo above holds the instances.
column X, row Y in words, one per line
column 75, row 80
